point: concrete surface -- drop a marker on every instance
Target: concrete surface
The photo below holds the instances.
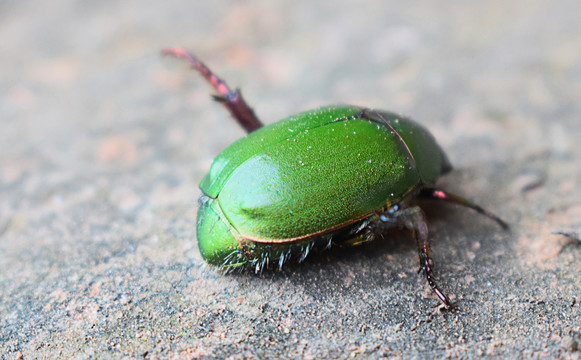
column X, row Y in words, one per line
column 103, row 144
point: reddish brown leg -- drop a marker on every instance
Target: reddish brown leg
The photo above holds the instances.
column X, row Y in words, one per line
column 432, row 193
column 232, row 100
column 414, row 219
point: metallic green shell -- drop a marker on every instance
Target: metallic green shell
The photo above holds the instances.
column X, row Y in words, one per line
column 310, row 174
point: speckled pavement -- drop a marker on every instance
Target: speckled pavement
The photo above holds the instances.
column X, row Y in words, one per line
column 103, row 143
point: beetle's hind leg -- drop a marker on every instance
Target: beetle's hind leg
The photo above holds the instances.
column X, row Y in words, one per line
column 232, row 100
column 413, row 218
column 432, row 193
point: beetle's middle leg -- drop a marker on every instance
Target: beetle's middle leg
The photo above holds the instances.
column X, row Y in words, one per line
column 232, row 100
column 413, row 218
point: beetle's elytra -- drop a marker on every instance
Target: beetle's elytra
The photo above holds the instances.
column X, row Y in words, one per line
column 333, row 175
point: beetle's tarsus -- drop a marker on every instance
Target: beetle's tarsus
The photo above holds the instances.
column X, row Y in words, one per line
column 433, row 193
column 427, row 269
column 414, row 219
column 232, row 100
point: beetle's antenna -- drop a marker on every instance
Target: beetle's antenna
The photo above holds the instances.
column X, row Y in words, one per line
column 232, row 100
column 432, row 193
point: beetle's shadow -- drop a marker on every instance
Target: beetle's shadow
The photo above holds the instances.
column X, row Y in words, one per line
column 389, row 242
column 392, row 242
column 391, row 255
column 388, row 265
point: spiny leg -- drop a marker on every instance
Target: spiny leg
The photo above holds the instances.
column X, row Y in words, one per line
column 432, row 193
column 232, row 100
column 414, row 219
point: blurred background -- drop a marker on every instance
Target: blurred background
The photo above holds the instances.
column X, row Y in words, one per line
column 103, row 143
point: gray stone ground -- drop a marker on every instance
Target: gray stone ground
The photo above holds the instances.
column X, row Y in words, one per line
column 103, row 144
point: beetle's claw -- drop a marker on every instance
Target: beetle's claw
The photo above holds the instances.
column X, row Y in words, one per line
column 219, row 98
column 447, row 307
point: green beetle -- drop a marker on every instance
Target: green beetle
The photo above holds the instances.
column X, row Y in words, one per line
column 333, row 175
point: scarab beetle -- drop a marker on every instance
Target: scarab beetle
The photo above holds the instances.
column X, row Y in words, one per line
column 333, row 175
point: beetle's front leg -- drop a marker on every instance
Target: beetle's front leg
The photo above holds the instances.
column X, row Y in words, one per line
column 413, row 218
column 232, row 100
